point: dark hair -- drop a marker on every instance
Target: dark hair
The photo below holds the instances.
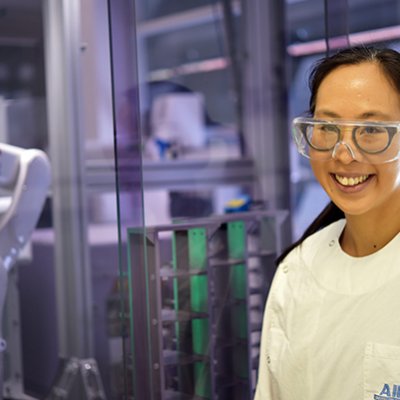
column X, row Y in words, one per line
column 389, row 61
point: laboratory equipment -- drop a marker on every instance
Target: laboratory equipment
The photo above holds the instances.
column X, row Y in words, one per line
column 24, row 185
column 199, row 292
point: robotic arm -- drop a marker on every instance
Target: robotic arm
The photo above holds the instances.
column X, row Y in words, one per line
column 24, row 180
column 24, row 183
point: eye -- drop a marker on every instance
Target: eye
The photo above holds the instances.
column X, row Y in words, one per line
column 328, row 128
column 371, row 130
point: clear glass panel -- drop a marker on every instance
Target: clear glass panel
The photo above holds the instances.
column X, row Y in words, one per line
column 201, row 139
column 199, row 269
column 306, row 22
column 185, row 45
column 372, row 14
column 187, row 63
column 156, row 9
column 64, row 315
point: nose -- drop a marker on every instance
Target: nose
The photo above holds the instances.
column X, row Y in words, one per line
column 343, row 153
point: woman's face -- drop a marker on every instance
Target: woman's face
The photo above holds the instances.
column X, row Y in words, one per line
column 358, row 92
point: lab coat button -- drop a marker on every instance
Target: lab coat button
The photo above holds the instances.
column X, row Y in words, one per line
column 268, row 359
column 285, row 269
column 331, row 243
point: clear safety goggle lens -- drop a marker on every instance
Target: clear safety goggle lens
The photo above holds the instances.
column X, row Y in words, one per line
column 372, row 142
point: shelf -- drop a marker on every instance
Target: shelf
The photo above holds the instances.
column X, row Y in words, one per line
column 183, row 19
column 263, row 253
column 197, row 67
column 172, row 357
column 223, row 343
column 219, row 262
column 170, row 174
column 216, row 262
column 225, row 382
column 255, row 361
column 181, row 316
column 166, row 273
column 228, row 303
column 255, row 326
column 257, row 290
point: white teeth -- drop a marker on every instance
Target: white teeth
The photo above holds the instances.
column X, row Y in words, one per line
column 351, row 181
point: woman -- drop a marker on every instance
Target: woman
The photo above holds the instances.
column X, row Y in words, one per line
column 332, row 322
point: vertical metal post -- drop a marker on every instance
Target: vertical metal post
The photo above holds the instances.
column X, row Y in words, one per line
column 265, row 110
column 180, row 261
column 240, row 318
column 336, row 19
column 125, row 89
column 212, row 333
column 144, row 284
column 73, row 284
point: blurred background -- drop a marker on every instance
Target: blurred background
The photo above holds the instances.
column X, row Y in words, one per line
column 175, row 184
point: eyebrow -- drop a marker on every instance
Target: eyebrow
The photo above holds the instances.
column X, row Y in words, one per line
column 364, row 115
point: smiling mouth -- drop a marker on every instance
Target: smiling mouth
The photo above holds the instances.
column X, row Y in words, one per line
column 351, row 181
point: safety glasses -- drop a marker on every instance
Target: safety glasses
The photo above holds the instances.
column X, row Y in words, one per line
column 369, row 141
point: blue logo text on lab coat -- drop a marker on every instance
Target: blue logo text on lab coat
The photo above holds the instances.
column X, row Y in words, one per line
column 388, row 393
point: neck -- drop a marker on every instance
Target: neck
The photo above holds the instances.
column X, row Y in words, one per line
column 366, row 234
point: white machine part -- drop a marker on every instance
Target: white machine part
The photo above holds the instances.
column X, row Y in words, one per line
column 24, row 184
column 24, row 181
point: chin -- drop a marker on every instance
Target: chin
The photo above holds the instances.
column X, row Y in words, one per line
column 351, row 209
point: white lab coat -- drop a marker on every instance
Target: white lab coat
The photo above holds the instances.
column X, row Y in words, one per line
column 332, row 324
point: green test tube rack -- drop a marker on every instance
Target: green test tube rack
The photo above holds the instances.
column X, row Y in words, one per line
column 193, row 296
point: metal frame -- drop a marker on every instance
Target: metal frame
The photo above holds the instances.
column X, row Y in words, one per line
column 62, row 57
column 265, row 99
column 177, row 174
column 78, row 377
column 184, row 19
column 13, row 379
column 148, row 271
